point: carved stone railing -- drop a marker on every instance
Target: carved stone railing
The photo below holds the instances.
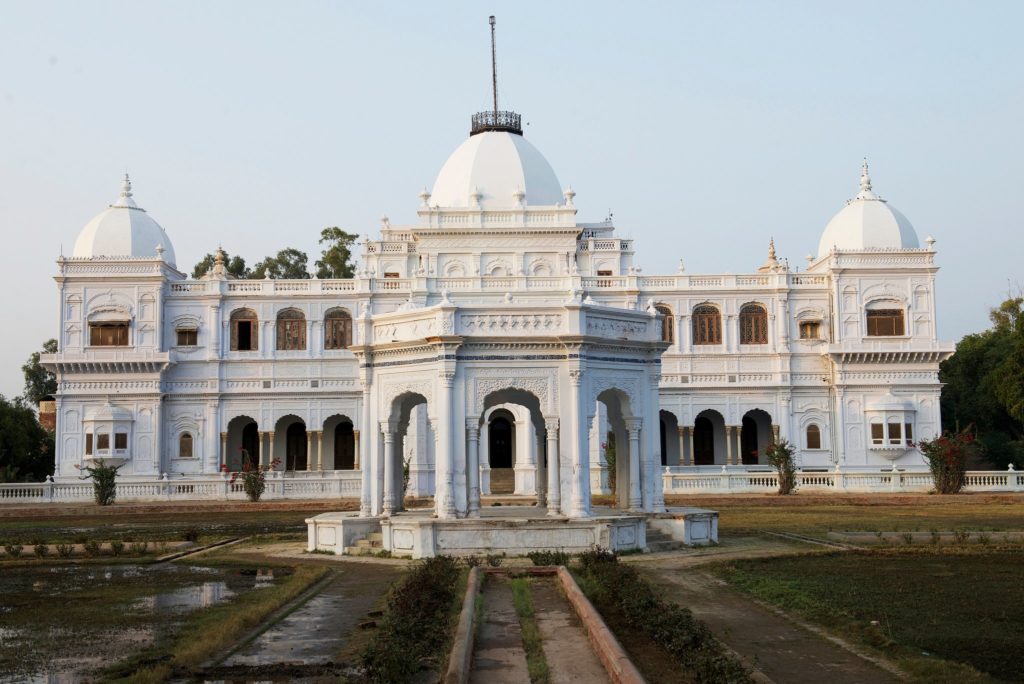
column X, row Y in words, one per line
column 329, row 484
column 743, row 480
column 496, row 121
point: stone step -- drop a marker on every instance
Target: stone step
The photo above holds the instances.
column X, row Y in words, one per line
column 370, row 544
column 503, row 480
column 375, row 536
column 657, row 546
column 657, row 535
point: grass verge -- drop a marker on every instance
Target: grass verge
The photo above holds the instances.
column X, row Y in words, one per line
column 942, row 614
column 631, row 607
column 536, row 663
column 211, row 632
column 416, row 629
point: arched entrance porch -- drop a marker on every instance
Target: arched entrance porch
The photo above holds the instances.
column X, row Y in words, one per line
column 755, row 436
column 709, row 440
column 242, row 438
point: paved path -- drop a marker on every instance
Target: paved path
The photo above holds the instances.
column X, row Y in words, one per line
column 498, row 655
column 566, row 647
column 778, row 647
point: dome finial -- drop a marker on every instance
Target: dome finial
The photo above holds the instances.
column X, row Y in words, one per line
column 865, row 183
column 772, row 264
column 125, row 200
column 126, row 186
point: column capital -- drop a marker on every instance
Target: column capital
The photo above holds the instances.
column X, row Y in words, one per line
column 447, row 378
column 576, row 376
column 551, row 423
column 681, row 430
column 472, row 428
column 355, row 433
column 633, row 424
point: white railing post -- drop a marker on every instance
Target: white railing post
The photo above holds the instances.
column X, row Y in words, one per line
column 897, row 479
column 725, row 479
column 49, row 487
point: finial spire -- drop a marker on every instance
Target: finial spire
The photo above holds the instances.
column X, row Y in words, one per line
column 772, row 264
column 494, row 67
column 865, row 177
column 771, row 249
column 126, row 186
column 125, row 199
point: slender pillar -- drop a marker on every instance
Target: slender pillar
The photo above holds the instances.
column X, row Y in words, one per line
column 684, row 458
column 775, row 434
column 729, row 430
column 264, row 451
column 635, row 499
column 309, row 450
column 580, row 448
column 554, row 484
column 319, row 449
column 693, row 454
column 223, row 448
column 355, row 451
column 270, row 448
column 541, row 472
column 366, row 467
column 447, row 445
column 389, row 469
column 473, row 466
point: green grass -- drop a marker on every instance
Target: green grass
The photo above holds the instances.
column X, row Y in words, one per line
column 536, row 663
column 918, row 605
column 820, row 514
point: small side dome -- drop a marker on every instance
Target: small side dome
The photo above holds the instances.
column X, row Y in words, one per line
column 124, row 229
column 496, row 169
column 867, row 222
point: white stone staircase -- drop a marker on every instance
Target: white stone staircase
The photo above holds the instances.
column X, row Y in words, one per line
column 367, row 546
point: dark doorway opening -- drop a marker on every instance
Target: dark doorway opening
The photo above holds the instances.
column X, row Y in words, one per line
column 250, row 444
column 703, row 442
column 295, row 447
column 344, row 447
column 500, row 443
column 748, row 441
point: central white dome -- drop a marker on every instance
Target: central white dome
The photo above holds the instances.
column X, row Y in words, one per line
column 498, row 170
column 867, row 222
column 124, row 229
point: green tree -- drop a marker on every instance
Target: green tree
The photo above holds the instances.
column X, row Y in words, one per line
column 288, row 264
column 39, row 382
column 336, row 258
column 234, row 265
column 983, row 384
column 26, row 448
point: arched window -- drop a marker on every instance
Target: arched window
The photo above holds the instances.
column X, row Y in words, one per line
column 291, row 330
column 813, row 436
column 244, row 330
column 667, row 323
column 753, row 324
column 185, row 445
column 337, row 329
column 885, row 320
column 707, row 325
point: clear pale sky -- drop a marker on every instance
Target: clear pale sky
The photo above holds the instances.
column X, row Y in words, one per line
column 705, row 127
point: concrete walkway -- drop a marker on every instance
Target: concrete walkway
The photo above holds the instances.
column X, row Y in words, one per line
column 566, row 647
column 498, row 655
column 782, row 650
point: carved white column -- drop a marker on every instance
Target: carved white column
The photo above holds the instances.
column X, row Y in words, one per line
column 541, row 471
column 473, row 466
column 554, row 484
column 729, row 431
column 355, row 449
column 684, row 458
column 693, row 454
column 319, row 449
column 579, row 448
column 264, row 449
column 270, row 448
column 446, row 472
column 389, row 468
column 213, row 349
column 367, row 470
column 633, row 427
column 223, row 447
column 309, row 450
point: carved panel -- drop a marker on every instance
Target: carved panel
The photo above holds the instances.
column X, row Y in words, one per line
column 405, row 330
column 391, row 389
column 484, row 381
column 489, row 324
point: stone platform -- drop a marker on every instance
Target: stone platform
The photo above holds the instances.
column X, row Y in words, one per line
column 513, row 530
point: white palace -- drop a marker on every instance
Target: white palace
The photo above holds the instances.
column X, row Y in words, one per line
column 497, row 345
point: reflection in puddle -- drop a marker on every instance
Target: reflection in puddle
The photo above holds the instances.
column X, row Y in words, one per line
column 187, row 598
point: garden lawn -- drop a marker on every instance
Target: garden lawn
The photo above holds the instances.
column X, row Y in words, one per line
column 959, row 604
column 816, row 515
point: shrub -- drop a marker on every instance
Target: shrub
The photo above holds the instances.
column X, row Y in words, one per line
column 190, row 534
column 41, row 550
column 138, row 548
column 618, row 588
column 961, row 536
column 947, row 457
column 495, row 560
column 908, row 537
column 780, row 457
column 65, row 550
column 936, row 537
column 472, row 561
column 254, row 477
column 91, row 548
column 13, row 550
column 117, row 547
column 415, row 628
column 104, row 481
column 548, row 557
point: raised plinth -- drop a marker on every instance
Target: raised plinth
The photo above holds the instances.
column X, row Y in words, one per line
column 515, row 531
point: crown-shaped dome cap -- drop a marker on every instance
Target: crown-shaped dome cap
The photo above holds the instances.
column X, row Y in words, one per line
column 124, row 229
column 867, row 222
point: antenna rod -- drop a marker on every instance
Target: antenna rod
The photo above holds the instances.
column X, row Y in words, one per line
column 494, row 69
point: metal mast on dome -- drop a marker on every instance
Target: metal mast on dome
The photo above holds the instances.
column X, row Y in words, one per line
column 495, row 120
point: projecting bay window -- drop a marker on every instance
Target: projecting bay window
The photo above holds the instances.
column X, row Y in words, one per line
column 895, row 432
column 810, row 330
column 108, row 334
column 188, row 337
column 885, row 322
column 244, row 330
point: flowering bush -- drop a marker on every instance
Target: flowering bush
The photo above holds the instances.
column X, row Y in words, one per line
column 947, row 457
column 254, row 477
column 780, row 457
column 104, row 481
